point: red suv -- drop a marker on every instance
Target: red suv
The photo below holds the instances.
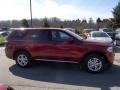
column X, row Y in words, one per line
column 26, row 45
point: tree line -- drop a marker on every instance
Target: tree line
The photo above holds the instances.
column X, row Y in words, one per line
column 55, row 22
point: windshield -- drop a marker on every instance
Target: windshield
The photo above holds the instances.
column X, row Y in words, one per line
column 74, row 34
column 99, row 34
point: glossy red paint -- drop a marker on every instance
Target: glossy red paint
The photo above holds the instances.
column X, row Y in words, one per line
column 66, row 50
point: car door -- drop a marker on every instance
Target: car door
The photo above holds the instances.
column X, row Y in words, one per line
column 65, row 49
column 41, row 46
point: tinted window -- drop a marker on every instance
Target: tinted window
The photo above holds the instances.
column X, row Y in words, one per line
column 41, row 35
column 64, row 36
column 59, row 36
column 55, row 35
column 17, row 35
column 74, row 35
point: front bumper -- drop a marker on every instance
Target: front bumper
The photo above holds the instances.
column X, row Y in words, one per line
column 110, row 57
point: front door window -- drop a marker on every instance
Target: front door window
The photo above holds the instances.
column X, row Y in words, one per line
column 60, row 36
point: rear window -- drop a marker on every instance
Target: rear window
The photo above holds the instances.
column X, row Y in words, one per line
column 17, row 35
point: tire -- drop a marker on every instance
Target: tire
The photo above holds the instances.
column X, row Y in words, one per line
column 23, row 59
column 94, row 63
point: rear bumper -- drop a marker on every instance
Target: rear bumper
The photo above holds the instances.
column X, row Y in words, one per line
column 9, row 53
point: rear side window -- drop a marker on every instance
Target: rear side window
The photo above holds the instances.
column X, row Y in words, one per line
column 40, row 35
column 17, row 35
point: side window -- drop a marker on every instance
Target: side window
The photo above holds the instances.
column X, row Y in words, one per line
column 40, row 35
column 64, row 36
column 17, row 35
column 35, row 35
column 55, row 36
column 59, row 36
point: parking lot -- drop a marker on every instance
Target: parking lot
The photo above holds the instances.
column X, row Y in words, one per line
column 58, row 76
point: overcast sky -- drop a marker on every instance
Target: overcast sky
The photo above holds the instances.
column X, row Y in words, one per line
column 63, row 9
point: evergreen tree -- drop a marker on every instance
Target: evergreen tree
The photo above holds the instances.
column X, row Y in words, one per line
column 115, row 22
column 25, row 23
column 61, row 26
column 98, row 20
column 46, row 24
column 99, row 23
column 90, row 23
column 116, row 14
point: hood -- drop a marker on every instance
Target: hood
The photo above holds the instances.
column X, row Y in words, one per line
column 96, row 43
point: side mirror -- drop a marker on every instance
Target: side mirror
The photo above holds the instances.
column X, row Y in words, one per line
column 85, row 36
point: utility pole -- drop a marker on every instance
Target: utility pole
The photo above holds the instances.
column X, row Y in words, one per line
column 31, row 13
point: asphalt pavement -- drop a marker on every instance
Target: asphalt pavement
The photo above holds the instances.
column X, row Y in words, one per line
column 57, row 76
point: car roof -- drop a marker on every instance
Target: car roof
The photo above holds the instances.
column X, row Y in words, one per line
column 88, row 30
column 103, row 28
column 23, row 29
column 97, row 31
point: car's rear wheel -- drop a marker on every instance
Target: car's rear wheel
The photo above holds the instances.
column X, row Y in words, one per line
column 94, row 63
column 23, row 59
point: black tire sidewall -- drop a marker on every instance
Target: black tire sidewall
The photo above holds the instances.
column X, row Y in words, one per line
column 94, row 56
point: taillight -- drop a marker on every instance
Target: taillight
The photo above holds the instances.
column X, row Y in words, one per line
column 8, row 44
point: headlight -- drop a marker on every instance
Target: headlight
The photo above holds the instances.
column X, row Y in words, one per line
column 110, row 49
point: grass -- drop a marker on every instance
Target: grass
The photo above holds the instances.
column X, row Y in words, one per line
column 2, row 39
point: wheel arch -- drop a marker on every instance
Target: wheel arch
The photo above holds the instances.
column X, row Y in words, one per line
column 20, row 50
column 94, row 52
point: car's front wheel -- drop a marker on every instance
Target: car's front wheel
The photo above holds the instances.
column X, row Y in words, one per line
column 94, row 63
column 22, row 59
